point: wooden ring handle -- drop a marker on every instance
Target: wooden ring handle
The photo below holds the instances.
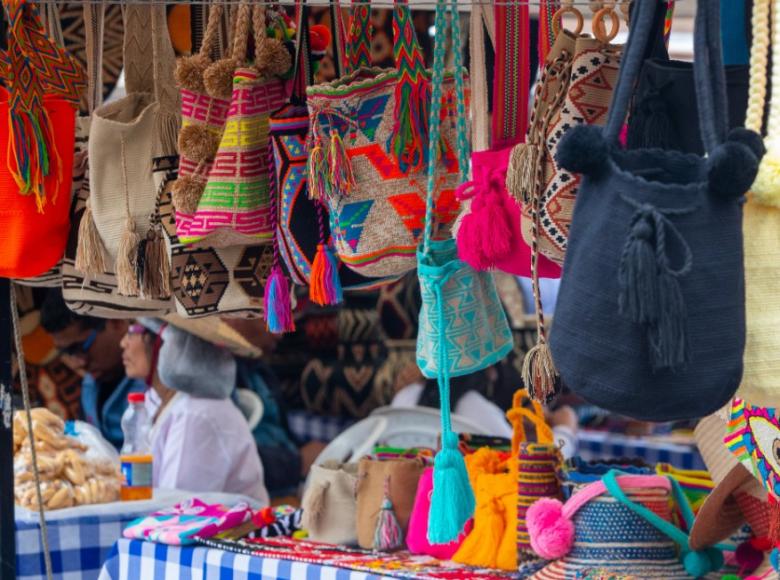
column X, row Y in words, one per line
column 599, row 29
column 558, row 18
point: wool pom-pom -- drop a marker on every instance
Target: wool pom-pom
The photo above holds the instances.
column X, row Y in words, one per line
column 731, row 170
column 583, row 149
column 550, row 531
column 186, row 193
column 273, row 58
column 218, row 78
column 766, row 187
column 320, row 37
column 198, row 143
column 749, row 138
column 701, row 563
column 452, row 501
column 189, row 72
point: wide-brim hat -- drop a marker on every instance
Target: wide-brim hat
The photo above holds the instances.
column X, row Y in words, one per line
column 610, row 539
column 721, row 514
column 214, row 330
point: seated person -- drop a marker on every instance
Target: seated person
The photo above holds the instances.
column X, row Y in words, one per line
column 200, row 440
column 91, row 346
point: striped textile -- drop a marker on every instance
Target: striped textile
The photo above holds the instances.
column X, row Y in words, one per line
column 536, row 478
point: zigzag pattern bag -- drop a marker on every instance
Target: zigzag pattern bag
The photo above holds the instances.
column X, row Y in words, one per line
column 368, row 152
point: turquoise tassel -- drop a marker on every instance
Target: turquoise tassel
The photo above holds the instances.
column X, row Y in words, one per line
column 452, row 502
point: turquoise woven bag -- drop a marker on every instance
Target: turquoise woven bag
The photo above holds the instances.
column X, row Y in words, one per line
column 462, row 328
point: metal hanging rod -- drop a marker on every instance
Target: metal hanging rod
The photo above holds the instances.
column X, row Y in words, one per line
column 344, row 4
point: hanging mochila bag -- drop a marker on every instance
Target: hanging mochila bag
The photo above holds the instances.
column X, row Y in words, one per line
column 37, row 138
column 89, row 285
column 368, row 152
column 462, row 327
column 128, row 141
column 303, row 231
column 488, row 229
column 650, row 319
column 761, row 222
column 235, row 206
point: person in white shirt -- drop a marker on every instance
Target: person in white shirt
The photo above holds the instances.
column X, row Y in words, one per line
column 200, row 440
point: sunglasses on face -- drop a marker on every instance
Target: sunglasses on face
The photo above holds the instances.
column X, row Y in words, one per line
column 81, row 348
column 136, row 329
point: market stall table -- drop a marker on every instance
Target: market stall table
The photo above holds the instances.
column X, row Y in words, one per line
column 132, row 559
column 81, row 538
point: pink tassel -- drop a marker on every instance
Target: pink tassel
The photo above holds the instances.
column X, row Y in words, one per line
column 278, row 310
column 325, row 285
column 485, row 234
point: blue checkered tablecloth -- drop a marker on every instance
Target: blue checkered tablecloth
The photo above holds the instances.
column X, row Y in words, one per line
column 81, row 538
column 138, row 560
column 592, row 445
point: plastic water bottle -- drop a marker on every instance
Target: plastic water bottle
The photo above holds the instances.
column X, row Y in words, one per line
column 136, row 456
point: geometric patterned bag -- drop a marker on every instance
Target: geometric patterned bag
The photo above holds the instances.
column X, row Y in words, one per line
column 368, row 151
column 462, row 326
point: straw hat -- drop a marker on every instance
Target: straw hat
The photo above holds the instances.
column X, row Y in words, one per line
column 720, row 514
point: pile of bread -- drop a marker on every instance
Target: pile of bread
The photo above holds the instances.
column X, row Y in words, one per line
column 68, row 477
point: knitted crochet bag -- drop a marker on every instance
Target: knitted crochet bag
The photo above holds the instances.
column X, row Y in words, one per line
column 329, row 503
column 761, row 223
column 43, row 87
column 235, row 206
column 462, row 326
column 368, row 151
column 303, row 231
column 127, row 139
column 654, row 263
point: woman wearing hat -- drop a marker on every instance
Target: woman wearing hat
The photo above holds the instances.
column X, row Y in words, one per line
column 200, row 440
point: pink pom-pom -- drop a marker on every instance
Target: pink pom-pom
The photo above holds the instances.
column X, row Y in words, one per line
column 551, row 532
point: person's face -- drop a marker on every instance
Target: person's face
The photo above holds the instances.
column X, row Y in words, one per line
column 135, row 353
column 96, row 351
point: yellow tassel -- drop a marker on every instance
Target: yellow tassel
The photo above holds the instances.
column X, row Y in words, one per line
column 480, row 548
column 89, row 248
column 126, row 279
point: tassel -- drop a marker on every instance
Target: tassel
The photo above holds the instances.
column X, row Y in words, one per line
column 484, row 236
column 539, row 374
column 480, row 548
column 637, row 275
column 325, row 284
column 127, row 283
column 341, row 176
column 89, row 248
column 388, row 535
column 278, row 309
column 155, row 273
column 318, row 188
column 668, row 336
column 410, row 128
column 521, row 171
column 452, row 502
column 651, row 127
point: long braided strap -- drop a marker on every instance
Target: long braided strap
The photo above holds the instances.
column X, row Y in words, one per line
column 359, row 39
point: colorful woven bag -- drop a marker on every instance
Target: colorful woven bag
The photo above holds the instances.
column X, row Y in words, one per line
column 235, row 207
column 761, row 224
column 303, row 230
column 38, row 111
column 654, row 260
column 462, row 327
column 368, row 152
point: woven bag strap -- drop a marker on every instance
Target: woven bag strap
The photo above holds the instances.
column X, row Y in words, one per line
column 535, row 415
column 303, row 74
column 773, row 121
column 434, row 124
column 511, row 81
column 241, row 33
column 481, row 18
column 708, row 71
column 547, row 9
column 94, row 24
column 138, row 50
column 210, row 43
column 339, row 38
column 359, row 37
column 759, row 57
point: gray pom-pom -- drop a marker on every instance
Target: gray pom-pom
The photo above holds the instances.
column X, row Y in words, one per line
column 583, row 150
column 751, row 139
column 731, row 170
